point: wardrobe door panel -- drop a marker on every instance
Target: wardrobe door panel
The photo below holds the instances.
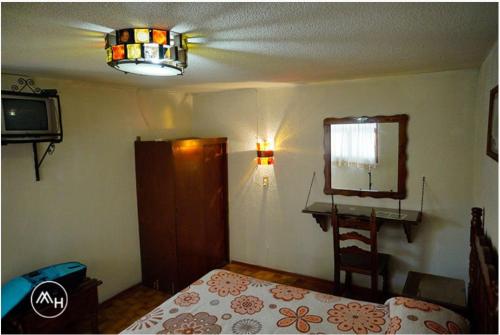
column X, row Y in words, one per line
column 191, row 248
column 155, row 207
column 215, row 204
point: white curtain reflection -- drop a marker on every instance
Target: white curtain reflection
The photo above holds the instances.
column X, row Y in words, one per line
column 354, row 145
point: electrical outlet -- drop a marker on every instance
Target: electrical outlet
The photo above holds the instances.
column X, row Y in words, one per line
column 265, row 181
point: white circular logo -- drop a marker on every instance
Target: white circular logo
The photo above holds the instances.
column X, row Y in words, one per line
column 49, row 299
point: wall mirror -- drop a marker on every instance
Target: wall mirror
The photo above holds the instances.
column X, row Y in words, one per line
column 366, row 156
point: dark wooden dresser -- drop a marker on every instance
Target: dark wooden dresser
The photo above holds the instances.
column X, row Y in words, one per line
column 79, row 317
column 183, row 210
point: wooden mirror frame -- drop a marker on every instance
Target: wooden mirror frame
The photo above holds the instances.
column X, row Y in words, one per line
column 402, row 120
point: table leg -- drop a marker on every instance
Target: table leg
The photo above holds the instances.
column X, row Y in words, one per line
column 407, row 228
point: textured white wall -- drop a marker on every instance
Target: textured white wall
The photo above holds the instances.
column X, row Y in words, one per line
column 84, row 208
column 267, row 226
column 485, row 168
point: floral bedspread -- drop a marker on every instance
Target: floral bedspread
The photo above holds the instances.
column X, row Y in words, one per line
column 226, row 302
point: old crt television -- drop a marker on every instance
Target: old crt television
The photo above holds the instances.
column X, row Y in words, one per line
column 31, row 117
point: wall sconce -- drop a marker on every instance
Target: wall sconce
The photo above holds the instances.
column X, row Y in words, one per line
column 265, row 154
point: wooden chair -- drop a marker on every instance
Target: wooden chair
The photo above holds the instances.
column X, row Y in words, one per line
column 354, row 259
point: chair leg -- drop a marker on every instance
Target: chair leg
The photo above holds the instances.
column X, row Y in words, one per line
column 336, row 281
column 348, row 282
column 385, row 283
column 374, row 292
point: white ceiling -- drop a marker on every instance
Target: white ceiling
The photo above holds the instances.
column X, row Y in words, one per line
column 242, row 43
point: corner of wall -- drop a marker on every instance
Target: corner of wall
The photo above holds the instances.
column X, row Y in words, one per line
column 485, row 170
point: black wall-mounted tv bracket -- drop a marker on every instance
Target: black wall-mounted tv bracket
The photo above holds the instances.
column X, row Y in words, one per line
column 50, row 150
column 20, row 87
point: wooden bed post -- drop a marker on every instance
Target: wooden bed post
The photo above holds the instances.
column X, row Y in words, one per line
column 483, row 285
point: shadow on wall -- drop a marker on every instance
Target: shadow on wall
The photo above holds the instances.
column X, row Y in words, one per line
column 163, row 111
column 294, row 128
column 294, row 116
column 245, row 160
column 294, row 124
column 249, row 206
column 253, row 173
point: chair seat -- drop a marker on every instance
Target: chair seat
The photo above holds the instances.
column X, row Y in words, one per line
column 362, row 262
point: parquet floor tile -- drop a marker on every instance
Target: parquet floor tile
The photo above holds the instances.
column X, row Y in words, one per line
column 121, row 311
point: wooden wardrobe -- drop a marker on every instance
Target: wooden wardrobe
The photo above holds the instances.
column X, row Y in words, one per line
column 183, row 210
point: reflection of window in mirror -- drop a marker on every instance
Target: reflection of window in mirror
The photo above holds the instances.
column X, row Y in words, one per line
column 366, row 156
column 354, row 145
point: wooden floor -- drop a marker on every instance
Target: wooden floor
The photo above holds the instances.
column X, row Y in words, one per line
column 293, row 279
column 281, row 277
column 119, row 312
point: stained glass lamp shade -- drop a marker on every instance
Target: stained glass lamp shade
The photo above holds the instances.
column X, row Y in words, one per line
column 146, row 51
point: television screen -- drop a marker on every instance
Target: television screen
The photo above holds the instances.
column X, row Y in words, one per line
column 24, row 114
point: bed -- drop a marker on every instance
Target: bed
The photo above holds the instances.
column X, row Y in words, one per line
column 227, row 302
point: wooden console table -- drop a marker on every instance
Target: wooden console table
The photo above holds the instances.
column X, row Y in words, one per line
column 322, row 212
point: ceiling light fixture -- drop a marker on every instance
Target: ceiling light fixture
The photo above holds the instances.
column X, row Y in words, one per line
column 146, row 51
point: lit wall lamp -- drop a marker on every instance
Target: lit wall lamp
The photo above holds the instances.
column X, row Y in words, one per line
column 265, row 153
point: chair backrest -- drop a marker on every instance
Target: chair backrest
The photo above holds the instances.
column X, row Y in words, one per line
column 358, row 223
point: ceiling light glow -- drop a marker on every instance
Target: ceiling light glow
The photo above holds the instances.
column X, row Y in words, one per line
column 131, row 51
column 118, row 52
column 160, row 36
column 141, row 35
column 134, row 51
column 148, row 69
